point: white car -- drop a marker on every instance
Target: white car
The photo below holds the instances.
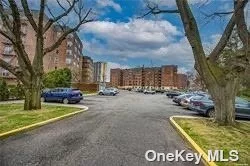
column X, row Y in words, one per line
column 146, row 91
column 108, row 91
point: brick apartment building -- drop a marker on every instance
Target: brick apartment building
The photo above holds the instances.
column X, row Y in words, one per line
column 182, row 81
column 68, row 54
column 164, row 77
column 87, row 70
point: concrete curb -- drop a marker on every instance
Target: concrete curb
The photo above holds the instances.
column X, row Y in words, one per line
column 196, row 147
column 91, row 94
column 35, row 125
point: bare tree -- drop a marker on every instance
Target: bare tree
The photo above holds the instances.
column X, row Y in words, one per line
column 221, row 83
column 30, row 72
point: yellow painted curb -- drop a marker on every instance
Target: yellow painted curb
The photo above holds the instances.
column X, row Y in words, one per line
column 35, row 125
column 191, row 142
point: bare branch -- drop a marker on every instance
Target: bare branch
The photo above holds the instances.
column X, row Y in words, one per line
column 241, row 24
column 28, row 14
column 20, row 50
column 41, row 15
column 7, row 36
column 218, row 14
column 70, row 30
column 4, row 17
column 155, row 10
column 214, row 55
column 8, row 66
column 55, row 19
column 227, row 33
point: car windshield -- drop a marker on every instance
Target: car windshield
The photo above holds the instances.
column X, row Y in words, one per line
column 196, row 97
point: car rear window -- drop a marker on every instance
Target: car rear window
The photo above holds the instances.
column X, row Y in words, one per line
column 240, row 100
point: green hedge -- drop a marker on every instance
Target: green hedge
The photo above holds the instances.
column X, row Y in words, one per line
column 4, row 92
column 8, row 92
column 16, row 91
column 245, row 93
column 57, row 78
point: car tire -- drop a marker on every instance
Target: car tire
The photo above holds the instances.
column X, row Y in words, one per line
column 211, row 113
column 65, row 101
column 101, row 93
column 43, row 99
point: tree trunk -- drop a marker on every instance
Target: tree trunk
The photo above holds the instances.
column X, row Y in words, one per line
column 33, row 94
column 224, row 101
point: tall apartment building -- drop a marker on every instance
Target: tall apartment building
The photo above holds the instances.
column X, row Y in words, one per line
column 117, row 77
column 68, row 54
column 87, row 70
column 164, row 77
column 182, row 81
column 100, row 72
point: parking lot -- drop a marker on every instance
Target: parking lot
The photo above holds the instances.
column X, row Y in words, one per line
column 116, row 130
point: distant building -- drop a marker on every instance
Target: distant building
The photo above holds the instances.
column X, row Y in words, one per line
column 100, row 72
column 66, row 55
column 164, row 77
column 116, row 77
column 182, row 81
column 87, row 70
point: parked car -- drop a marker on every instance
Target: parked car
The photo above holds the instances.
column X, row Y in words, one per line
column 185, row 101
column 160, row 91
column 64, row 95
column 147, row 91
column 108, row 91
column 115, row 89
column 177, row 99
column 139, row 90
column 173, row 94
column 205, row 106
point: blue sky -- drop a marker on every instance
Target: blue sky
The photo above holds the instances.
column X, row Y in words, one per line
column 121, row 39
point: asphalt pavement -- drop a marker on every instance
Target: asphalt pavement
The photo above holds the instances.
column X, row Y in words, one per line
column 115, row 131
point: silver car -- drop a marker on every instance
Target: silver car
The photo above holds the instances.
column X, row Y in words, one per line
column 108, row 92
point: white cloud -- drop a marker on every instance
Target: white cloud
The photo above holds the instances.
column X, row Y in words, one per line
column 113, row 65
column 139, row 38
column 109, row 3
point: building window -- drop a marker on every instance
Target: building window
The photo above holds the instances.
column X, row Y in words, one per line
column 8, row 49
column 68, row 61
column 5, row 73
column 7, row 59
column 56, row 60
column 69, row 43
column 69, row 52
column 58, row 34
column 70, row 35
column 24, row 29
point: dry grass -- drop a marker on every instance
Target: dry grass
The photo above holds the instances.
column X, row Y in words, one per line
column 210, row 136
column 12, row 116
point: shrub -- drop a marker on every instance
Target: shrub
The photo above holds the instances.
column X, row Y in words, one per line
column 57, row 78
column 16, row 91
column 4, row 92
